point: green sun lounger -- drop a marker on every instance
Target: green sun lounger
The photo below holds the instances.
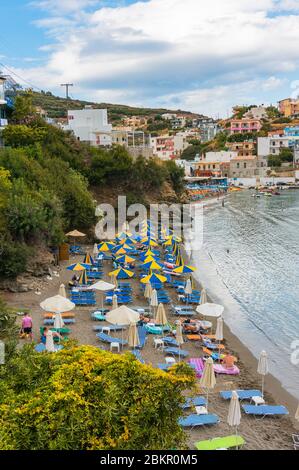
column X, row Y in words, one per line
column 227, row 442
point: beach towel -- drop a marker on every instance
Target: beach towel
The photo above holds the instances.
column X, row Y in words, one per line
column 219, row 369
column 198, row 365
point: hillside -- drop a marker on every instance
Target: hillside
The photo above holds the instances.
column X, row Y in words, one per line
column 57, row 107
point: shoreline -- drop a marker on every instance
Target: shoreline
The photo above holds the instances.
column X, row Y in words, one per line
column 273, row 386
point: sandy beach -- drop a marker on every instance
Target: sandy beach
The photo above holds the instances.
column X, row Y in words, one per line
column 259, row 434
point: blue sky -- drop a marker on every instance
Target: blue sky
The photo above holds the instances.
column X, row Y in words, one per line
column 192, row 54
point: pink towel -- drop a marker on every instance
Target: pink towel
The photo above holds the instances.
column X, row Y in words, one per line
column 219, row 369
column 198, row 364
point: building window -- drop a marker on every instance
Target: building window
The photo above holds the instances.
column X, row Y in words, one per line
column 238, row 165
column 245, row 165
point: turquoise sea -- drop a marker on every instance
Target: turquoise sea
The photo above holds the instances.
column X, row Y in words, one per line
column 249, row 262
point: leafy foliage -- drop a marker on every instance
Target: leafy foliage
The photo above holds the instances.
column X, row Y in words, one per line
column 84, row 398
column 8, row 329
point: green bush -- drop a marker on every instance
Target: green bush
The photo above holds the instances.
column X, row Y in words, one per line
column 84, row 398
column 13, row 258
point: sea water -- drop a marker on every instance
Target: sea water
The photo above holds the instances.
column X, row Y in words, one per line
column 249, row 262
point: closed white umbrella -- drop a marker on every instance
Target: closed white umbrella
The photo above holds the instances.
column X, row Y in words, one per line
column 58, row 321
column 210, row 310
column 154, row 299
column 133, row 337
column 208, row 379
column 188, row 288
column 114, row 302
column 234, row 412
column 148, row 291
column 179, row 336
column 161, row 318
column 50, row 342
column 297, row 414
column 102, row 287
column 57, row 304
column 203, row 297
column 263, row 368
column 219, row 333
column 95, row 250
column 62, row 291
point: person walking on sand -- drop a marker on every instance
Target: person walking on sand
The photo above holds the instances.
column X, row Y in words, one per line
column 27, row 326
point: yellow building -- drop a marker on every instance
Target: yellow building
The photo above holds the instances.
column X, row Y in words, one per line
column 289, row 107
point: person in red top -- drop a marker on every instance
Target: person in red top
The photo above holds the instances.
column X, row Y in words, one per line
column 27, row 325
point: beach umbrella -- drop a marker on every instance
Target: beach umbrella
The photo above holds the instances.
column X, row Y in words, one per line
column 122, row 273
column 154, row 299
column 75, row 234
column 95, row 250
column 62, row 291
column 179, row 337
column 153, row 278
column 234, row 412
column 88, row 259
column 125, row 259
column 78, row 267
column 122, row 251
column 133, row 337
column 149, row 242
column 57, row 304
column 58, row 321
column 122, row 316
column 219, row 333
column 149, row 259
column 208, row 380
column 203, row 297
column 114, row 302
column 83, row 280
column 263, row 368
column 148, row 291
column 210, row 310
column 161, row 318
column 188, row 288
column 152, row 265
column 127, row 241
column 297, row 414
column 184, row 269
column 106, row 246
column 102, row 287
column 50, row 342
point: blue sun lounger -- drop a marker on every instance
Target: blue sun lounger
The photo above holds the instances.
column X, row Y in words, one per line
column 138, row 355
column 42, row 348
column 110, row 339
column 99, row 328
column 265, row 410
column 142, row 333
column 193, row 420
column 176, row 352
column 194, row 401
column 66, row 321
column 170, row 341
column 165, row 367
column 242, row 394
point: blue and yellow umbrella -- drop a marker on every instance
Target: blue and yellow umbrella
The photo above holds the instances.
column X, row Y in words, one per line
column 152, row 265
column 106, row 246
column 184, row 269
column 83, row 281
column 153, row 278
column 78, row 267
column 125, row 259
column 121, row 273
column 88, row 259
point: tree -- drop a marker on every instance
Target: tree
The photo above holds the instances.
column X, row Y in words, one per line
column 286, row 155
column 8, row 329
column 21, row 135
column 24, row 111
column 274, row 160
column 85, row 398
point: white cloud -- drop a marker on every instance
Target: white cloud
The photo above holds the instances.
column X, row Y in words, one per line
column 154, row 51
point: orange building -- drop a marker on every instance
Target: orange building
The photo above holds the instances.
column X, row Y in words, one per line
column 289, row 107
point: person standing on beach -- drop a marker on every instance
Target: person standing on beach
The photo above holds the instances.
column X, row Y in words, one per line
column 27, row 326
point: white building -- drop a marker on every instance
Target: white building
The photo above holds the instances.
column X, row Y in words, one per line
column 168, row 116
column 258, row 112
column 221, row 157
column 273, row 144
column 90, row 125
column 169, row 147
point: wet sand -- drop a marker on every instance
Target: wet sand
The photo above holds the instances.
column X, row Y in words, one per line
column 267, row 433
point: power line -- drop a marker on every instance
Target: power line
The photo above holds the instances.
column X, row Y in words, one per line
column 20, row 78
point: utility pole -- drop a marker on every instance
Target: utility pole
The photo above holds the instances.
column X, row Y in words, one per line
column 67, row 86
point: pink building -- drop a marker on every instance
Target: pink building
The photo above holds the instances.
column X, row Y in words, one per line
column 241, row 126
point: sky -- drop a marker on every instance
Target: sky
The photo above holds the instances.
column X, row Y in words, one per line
column 196, row 55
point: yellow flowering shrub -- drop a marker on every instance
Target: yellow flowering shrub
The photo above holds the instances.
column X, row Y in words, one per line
column 87, row 398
